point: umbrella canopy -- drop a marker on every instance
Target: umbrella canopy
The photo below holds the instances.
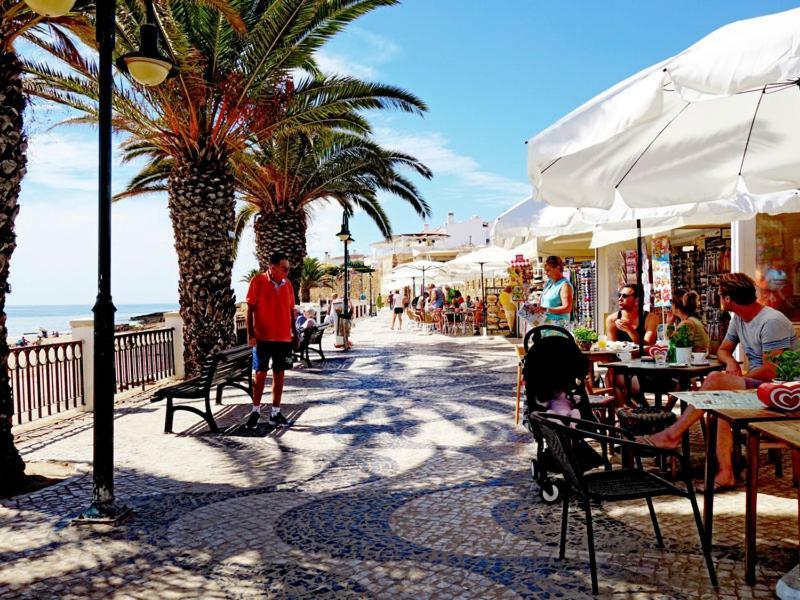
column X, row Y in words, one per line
column 490, row 256
column 720, row 116
column 515, row 223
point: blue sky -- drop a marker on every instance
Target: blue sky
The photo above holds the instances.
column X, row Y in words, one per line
column 492, row 73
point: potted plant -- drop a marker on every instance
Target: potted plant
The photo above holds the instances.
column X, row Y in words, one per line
column 585, row 337
column 682, row 340
column 783, row 392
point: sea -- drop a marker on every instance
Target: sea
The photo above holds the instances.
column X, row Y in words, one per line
column 30, row 319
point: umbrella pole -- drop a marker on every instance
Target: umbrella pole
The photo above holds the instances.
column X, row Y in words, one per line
column 639, row 270
column 483, row 295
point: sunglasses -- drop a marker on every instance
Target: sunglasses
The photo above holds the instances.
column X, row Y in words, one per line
column 625, row 295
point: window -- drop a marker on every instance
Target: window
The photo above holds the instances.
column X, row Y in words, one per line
column 778, row 262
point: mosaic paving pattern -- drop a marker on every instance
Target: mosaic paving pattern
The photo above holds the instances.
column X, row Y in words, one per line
column 403, row 476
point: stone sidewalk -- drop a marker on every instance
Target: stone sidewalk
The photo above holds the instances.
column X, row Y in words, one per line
column 403, row 476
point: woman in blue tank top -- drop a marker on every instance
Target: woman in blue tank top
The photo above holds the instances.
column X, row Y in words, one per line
column 557, row 296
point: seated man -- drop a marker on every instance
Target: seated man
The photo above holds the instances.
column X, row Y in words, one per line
column 623, row 326
column 763, row 332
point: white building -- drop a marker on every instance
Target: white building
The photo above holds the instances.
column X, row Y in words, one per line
column 440, row 244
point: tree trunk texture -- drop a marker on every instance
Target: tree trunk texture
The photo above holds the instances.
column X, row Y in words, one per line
column 13, row 148
column 202, row 209
column 282, row 231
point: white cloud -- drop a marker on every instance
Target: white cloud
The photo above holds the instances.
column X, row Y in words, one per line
column 433, row 150
column 333, row 64
column 372, row 52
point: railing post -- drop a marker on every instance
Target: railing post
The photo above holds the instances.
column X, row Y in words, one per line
column 173, row 320
column 83, row 330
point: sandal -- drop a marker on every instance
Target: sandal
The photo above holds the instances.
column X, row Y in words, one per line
column 648, row 441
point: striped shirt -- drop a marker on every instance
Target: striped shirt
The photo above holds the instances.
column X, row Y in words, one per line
column 769, row 330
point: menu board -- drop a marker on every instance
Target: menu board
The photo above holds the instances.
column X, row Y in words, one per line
column 662, row 273
column 496, row 322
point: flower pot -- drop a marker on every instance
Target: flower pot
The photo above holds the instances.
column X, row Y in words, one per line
column 585, row 346
column 782, row 395
column 683, row 355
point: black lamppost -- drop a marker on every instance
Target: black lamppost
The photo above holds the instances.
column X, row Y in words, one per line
column 104, row 507
column 369, row 271
column 346, row 238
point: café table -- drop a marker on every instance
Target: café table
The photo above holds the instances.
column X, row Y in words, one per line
column 738, row 408
column 787, row 432
column 662, row 374
column 602, row 356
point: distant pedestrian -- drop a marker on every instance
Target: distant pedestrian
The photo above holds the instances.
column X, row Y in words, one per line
column 379, row 301
column 271, row 331
column 397, row 309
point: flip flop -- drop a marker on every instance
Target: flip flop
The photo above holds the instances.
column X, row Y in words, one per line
column 644, row 439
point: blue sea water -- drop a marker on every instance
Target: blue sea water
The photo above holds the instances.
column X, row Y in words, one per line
column 28, row 319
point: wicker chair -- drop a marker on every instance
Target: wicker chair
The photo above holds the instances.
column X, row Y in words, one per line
column 618, row 484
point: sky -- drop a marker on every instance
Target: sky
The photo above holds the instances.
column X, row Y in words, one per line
column 493, row 74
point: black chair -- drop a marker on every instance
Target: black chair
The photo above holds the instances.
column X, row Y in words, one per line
column 561, row 435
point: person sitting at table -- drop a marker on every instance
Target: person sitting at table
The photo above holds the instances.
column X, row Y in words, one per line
column 623, row 326
column 763, row 333
column 684, row 312
column 421, row 301
column 468, row 302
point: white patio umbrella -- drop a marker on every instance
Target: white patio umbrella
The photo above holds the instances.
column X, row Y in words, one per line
column 419, row 268
column 514, row 224
column 687, row 129
column 491, row 257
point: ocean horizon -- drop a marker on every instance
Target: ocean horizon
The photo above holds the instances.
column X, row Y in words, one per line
column 28, row 319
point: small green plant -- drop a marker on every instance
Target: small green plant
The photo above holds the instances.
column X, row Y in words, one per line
column 682, row 338
column 787, row 365
column 584, row 335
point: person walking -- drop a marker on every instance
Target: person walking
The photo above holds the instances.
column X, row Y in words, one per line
column 271, row 332
column 557, row 296
column 397, row 309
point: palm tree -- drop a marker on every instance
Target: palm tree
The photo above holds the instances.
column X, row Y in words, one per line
column 16, row 21
column 313, row 275
column 290, row 174
column 235, row 81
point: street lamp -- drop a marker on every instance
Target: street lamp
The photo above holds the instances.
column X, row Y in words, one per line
column 346, row 238
column 147, row 65
column 103, row 508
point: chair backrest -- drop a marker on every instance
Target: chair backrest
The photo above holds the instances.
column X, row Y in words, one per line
column 553, row 363
column 559, row 439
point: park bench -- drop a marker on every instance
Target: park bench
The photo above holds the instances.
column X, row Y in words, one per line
column 311, row 337
column 229, row 368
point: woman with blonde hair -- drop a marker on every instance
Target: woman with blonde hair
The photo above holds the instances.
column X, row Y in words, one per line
column 557, row 296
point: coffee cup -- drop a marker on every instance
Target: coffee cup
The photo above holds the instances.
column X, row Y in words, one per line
column 624, row 356
column 698, row 358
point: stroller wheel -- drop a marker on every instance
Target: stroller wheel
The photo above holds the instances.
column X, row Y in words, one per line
column 550, row 492
column 534, row 469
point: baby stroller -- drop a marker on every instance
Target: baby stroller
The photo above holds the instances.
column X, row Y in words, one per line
column 553, row 363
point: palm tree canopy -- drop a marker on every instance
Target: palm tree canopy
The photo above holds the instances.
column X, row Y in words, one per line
column 236, row 62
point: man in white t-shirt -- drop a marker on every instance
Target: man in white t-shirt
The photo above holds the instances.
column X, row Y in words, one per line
column 763, row 333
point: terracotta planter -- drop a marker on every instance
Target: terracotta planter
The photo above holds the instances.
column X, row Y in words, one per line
column 585, row 346
column 780, row 395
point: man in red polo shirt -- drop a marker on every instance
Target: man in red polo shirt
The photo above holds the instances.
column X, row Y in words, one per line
column 271, row 332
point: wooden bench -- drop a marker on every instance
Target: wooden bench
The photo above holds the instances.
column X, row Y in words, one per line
column 311, row 336
column 229, row 368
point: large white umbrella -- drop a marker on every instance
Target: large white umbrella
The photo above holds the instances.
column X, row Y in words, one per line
column 514, row 224
column 419, row 268
column 717, row 117
column 492, row 257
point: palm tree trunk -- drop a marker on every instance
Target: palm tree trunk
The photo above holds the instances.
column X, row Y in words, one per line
column 201, row 205
column 282, row 231
column 13, row 146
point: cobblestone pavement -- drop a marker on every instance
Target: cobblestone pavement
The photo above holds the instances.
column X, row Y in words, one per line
column 403, row 476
